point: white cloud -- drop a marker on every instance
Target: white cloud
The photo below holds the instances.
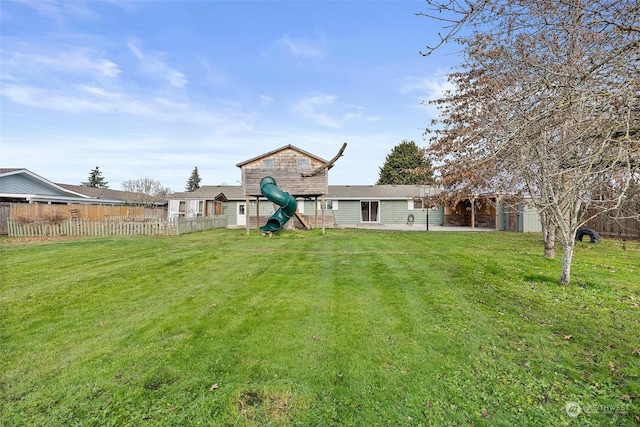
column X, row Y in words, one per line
column 314, row 108
column 305, row 49
column 72, row 60
column 265, row 100
column 425, row 88
column 153, row 65
column 100, row 92
column 60, row 11
column 83, row 99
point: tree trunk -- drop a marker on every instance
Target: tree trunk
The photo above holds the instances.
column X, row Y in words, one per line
column 549, row 235
column 549, row 241
column 568, row 246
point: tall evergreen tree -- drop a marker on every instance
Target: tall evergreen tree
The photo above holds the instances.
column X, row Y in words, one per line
column 96, row 179
column 193, row 183
column 407, row 164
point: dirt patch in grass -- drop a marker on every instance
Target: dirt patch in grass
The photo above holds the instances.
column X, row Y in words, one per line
column 257, row 406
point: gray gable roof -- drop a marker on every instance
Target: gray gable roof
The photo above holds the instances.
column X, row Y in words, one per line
column 210, row 192
column 96, row 193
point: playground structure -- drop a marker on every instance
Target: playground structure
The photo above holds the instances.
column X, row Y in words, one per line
column 298, row 174
column 288, row 204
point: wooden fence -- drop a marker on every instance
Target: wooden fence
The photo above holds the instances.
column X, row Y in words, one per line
column 184, row 226
column 88, row 227
column 625, row 228
column 47, row 212
column 5, row 208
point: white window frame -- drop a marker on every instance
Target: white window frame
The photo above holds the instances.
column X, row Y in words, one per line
column 416, row 204
column 377, row 220
column 329, row 205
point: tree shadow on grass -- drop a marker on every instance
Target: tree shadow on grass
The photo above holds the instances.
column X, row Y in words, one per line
column 541, row 278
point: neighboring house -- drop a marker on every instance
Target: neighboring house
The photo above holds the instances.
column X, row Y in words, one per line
column 200, row 203
column 18, row 185
column 26, row 196
column 123, row 197
column 98, row 193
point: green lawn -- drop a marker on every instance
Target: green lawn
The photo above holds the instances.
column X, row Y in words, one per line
column 351, row 328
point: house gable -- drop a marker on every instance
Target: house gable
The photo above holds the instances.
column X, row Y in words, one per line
column 286, row 165
column 23, row 184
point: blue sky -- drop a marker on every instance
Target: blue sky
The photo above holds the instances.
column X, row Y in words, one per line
column 153, row 89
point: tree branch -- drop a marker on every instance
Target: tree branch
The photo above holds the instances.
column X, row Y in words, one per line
column 327, row 165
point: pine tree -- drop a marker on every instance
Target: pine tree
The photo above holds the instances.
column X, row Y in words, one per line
column 193, row 183
column 96, row 179
column 406, row 165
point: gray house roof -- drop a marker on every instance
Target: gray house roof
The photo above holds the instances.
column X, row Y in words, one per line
column 211, row 192
column 351, row 192
column 336, row 192
column 96, row 193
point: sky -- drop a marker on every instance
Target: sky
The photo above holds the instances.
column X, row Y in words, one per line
column 156, row 88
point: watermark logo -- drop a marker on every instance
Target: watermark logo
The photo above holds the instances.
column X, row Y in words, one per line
column 573, row 409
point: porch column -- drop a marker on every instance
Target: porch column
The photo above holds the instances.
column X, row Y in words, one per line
column 498, row 213
column 315, row 209
column 322, row 214
column 473, row 212
column 247, row 214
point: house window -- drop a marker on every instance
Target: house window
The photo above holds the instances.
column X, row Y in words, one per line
column 329, row 205
column 304, row 164
column 416, row 204
column 182, row 207
column 369, row 211
column 269, row 163
column 200, row 207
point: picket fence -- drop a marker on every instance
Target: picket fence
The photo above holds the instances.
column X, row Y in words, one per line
column 88, row 227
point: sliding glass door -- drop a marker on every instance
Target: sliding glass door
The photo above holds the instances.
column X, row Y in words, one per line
column 369, row 211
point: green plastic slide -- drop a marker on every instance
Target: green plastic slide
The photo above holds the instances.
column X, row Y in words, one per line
column 281, row 198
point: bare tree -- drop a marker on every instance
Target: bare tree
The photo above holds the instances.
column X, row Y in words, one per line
column 145, row 191
column 546, row 105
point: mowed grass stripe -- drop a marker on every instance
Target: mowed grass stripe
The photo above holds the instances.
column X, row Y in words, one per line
column 349, row 328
